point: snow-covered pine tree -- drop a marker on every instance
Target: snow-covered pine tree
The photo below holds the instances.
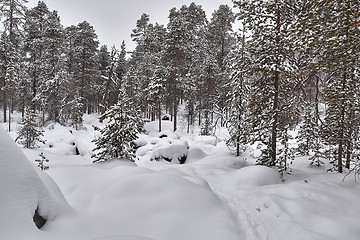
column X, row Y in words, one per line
column 332, row 31
column 123, row 124
column 309, row 137
column 185, row 30
column 221, row 38
column 83, row 57
column 12, row 14
column 121, row 66
column 269, row 23
column 156, row 90
column 54, row 89
column 29, row 135
column 285, row 153
column 239, row 85
column 206, row 126
column 75, row 111
column 34, row 45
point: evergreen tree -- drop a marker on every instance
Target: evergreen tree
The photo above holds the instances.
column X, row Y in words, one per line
column 29, row 135
column 123, row 126
column 221, row 39
column 35, row 41
column 83, row 63
column 41, row 162
column 238, row 95
column 309, row 138
column 74, row 111
column 12, row 13
column 272, row 96
column 54, row 88
column 185, row 30
column 121, row 67
column 333, row 33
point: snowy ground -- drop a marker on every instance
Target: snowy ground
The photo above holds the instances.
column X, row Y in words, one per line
column 213, row 196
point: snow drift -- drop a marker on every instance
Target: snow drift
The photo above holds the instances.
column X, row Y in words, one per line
column 24, row 190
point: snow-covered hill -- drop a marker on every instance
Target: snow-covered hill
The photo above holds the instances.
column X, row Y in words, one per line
column 214, row 195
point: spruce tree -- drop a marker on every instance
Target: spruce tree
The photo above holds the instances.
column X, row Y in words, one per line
column 309, row 138
column 123, row 124
column 29, row 135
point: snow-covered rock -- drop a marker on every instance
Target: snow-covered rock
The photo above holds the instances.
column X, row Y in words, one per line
column 175, row 152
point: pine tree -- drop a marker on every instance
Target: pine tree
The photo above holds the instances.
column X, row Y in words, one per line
column 12, row 13
column 29, row 135
column 333, row 33
column 183, row 45
column 221, row 38
column 34, row 48
column 145, row 63
column 206, row 127
column 123, row 126
column 54, row 89
column 238, row 103
column 271, row 93
column 83, row 59
column 74, row 111
column 121, row 67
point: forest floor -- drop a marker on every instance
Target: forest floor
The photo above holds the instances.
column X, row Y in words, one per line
column 213, row 196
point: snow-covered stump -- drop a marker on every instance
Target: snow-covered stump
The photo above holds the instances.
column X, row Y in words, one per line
column 28, row 197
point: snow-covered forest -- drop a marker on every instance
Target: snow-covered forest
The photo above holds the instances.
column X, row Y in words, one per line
column 203, row 131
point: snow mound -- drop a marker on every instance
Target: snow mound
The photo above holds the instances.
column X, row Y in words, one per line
column 123, row 237
column 125, row 202
column 252, row 177
column 195, row 154
column 312, row 210
column 24, row 189
column 222, row 161
column 163, row 212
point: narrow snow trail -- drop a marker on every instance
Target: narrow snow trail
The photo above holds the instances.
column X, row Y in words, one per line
column 251, row 224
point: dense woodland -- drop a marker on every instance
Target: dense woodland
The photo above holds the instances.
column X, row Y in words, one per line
column 292, row 64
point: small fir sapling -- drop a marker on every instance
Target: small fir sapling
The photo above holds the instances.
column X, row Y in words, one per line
column 41, row 162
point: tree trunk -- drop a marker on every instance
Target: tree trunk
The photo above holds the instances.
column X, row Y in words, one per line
column 341, row 125
column 4, row 103
column 175, row 113
column 159, row 113
column 276, row 91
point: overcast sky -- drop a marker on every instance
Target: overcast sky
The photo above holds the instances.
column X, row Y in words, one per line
column 113, row 20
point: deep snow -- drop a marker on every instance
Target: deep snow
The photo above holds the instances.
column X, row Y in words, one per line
column 214, row 195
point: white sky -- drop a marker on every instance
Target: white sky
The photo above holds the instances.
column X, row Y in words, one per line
column 113, row 20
